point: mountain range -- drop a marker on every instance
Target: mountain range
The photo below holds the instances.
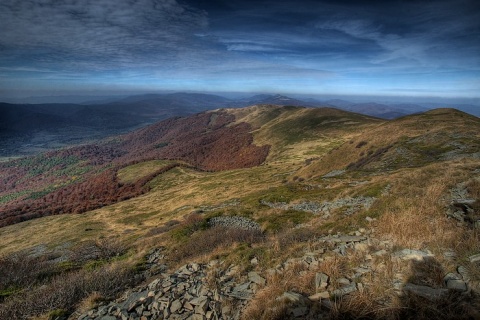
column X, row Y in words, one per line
column 30, row 128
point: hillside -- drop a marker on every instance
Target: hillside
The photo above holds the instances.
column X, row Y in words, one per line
column 263, row 212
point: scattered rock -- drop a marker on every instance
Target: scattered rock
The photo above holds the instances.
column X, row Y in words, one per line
column 234, row 222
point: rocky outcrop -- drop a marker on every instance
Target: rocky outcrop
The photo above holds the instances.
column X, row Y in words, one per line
column 352, row 205
column 234, row 222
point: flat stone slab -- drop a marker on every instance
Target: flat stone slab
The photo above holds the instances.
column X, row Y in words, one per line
column 458, row 285
column 429, row 293
column 409, row 254
column 256, row 278
column 474, row 258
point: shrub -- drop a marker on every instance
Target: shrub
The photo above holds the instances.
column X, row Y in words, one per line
column 213, row 238
column 66, row 290
column 361, row 144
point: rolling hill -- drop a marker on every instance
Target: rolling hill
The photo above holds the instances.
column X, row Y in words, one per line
column 266, row 212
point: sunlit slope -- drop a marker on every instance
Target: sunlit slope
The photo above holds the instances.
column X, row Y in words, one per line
column 411, row 141
column 298, row 133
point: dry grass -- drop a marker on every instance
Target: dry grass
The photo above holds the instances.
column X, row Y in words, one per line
column 137, row 171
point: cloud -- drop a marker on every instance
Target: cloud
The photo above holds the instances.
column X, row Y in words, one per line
column 97, row 33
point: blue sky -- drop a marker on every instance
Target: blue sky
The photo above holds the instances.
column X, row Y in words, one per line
column 391, row 48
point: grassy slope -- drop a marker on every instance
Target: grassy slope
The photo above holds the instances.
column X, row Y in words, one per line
column 295, row 134
column 410, row 195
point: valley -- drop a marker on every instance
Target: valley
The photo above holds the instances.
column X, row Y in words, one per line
column 260, row 212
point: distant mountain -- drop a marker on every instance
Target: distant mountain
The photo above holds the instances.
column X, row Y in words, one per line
column 379, row 110
column 44, row 126
column 276, row 99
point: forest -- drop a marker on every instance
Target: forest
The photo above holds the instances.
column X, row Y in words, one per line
column 83, row 178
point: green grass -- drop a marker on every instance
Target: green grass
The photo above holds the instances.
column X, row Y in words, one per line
column 284, row 219
column 137, row 171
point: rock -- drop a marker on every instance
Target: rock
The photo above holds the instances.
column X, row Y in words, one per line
column 254, row 261
column 409, row 254
column 429, row 293
column 108, row 318
column 345, row 290
column 256, row 278
column 175, row 306
column 474, row 258
column 133, row 300
column 320, row 295
column 464, row 273
column 343, row 281
column 198, row 301
column 234, row 222
column 294, row 297
column 380, row 253
column 458, row 285
column 321, row 281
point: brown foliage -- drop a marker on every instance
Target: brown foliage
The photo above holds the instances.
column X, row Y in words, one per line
column 203, row 140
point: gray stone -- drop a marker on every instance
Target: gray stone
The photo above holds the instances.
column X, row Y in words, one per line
column 132, row 300
column 464, row 272
column 242, row 295
column 409, row 254
column 429, row 293
column 175, row 306
column 321, row 281
column 458, row 285
column 344, row 281
column 345, row 290
column 108, row 318
column 380, row 253
column 474, row 258
column 234, row 222
column 256, row 278
column 198, row 301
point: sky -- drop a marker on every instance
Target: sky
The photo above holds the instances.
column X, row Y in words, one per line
column 383, row 48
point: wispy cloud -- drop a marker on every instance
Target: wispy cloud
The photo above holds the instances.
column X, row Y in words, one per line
column 98, row 34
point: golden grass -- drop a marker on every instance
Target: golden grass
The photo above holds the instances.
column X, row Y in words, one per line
column 137, row 171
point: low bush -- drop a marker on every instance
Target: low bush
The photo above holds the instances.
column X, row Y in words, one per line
column 64, row 291
column 207, row 241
